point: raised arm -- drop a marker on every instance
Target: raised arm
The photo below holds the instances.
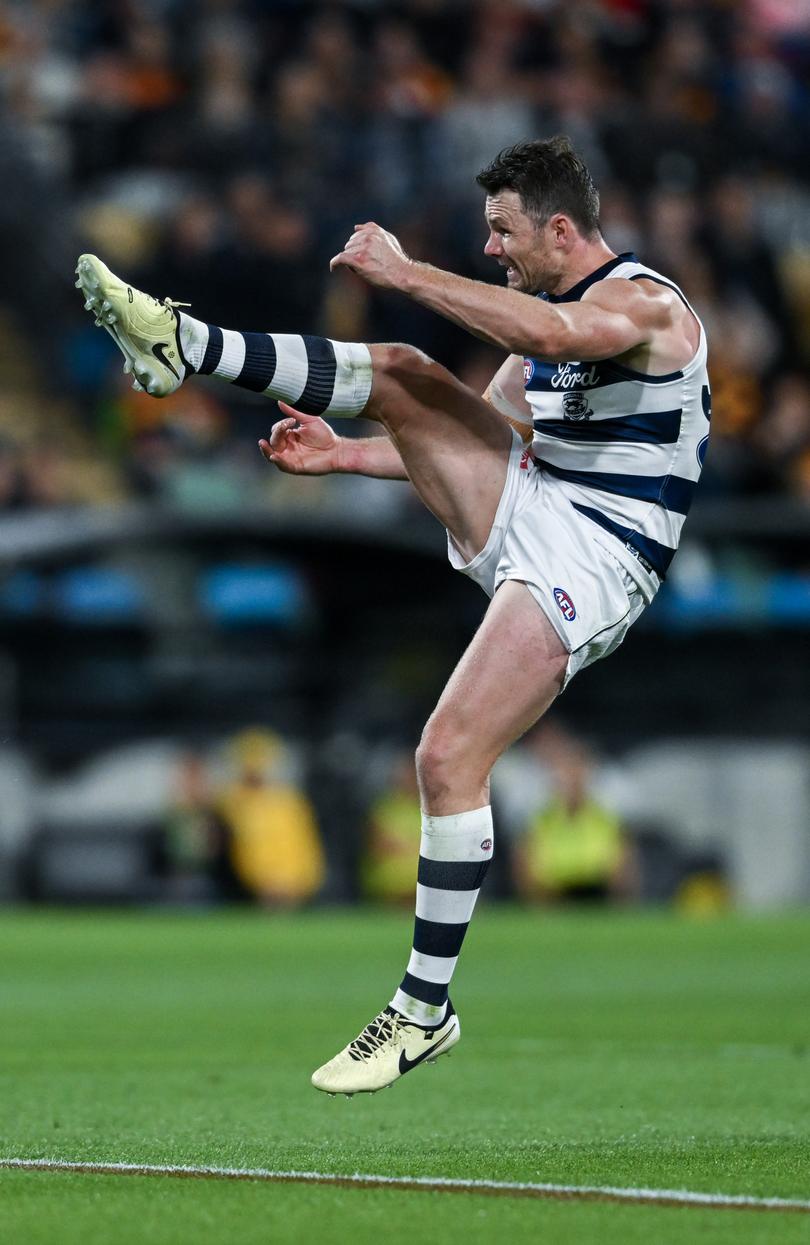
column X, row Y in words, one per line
column 614, row 317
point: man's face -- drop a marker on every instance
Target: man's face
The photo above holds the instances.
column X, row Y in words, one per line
column 519, row 244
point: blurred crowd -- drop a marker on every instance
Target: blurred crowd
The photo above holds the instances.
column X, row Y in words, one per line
column 220, row 151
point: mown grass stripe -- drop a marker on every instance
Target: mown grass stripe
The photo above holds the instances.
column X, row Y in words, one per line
column 431, row 1184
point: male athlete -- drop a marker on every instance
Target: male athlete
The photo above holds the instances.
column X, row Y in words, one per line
column 605, row 375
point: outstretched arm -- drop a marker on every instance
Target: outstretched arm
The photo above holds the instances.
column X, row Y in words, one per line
column 615, row 316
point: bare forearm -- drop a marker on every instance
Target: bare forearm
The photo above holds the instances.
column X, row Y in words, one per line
column 370, row 456
column 508, row 318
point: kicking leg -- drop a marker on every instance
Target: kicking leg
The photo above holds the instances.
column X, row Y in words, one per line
column 510, row 674
column 454, row 446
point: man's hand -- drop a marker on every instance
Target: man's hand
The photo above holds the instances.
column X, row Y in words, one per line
column 375, row 255
column 305, row 445
column 302, row 444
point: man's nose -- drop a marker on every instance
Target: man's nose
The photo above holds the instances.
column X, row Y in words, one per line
column 493, row 246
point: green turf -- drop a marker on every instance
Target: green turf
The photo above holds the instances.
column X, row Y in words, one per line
column 621, row 1049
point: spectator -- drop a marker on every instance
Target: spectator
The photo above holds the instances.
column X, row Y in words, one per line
column 274, row 845
column 388, row 869
column 194, row 846
column 573, row 847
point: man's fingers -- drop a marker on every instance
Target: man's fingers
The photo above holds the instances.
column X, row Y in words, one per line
column 294, row 416
column 279, row 431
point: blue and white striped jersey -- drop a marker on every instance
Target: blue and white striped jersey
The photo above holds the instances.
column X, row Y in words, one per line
column 626, row 448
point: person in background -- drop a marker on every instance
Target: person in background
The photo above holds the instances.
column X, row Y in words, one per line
column 573, row 847
column 392, row 843
column 193, row 840
column 273, row 842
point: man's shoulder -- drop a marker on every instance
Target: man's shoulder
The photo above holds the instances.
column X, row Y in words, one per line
column 642, row 297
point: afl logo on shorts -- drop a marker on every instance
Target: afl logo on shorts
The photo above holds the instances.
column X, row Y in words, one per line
column 528, row 370
column 566, row 604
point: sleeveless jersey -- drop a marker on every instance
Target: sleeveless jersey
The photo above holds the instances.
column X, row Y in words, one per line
column 625, row 447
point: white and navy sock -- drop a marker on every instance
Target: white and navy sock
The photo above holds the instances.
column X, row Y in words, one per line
column 454, row 856
column 314, row 374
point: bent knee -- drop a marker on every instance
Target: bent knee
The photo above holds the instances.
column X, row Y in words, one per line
column 394, row 358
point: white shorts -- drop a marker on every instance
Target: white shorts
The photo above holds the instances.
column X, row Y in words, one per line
column 564, row 560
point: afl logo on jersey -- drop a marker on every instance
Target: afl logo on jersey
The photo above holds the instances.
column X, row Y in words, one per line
column 528, row 370
column 566, row 604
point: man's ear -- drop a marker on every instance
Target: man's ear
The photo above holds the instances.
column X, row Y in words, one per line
column 561, row 229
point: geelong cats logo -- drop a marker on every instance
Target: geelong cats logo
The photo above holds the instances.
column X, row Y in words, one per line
column 575, row 406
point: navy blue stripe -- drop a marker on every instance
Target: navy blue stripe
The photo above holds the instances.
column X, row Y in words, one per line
column 433, row 992
column 213, row 351
column 628, row 373
column 320, row 384
column 659, row 556
column 653, row 428
column 577, row 376
column 438, row 938
column 672, row 492
column 259, row 367
column 593, row 376
column 449, row 875
column 576, row 291
column 647, row 276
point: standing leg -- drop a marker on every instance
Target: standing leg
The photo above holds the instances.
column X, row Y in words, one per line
column 509, row 675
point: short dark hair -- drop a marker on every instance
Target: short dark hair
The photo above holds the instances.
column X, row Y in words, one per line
column 550, row 177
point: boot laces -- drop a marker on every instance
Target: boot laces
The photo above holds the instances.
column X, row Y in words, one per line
column 383, row 1028
column 166, row 302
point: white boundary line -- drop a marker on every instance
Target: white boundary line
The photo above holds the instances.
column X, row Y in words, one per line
column 441, row 1184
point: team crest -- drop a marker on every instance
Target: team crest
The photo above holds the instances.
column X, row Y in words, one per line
column 575, row 406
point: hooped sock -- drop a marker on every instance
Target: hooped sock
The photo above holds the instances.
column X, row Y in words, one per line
column 314, row 374
column 454, row 856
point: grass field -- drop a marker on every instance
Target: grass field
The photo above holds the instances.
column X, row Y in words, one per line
column 633, row 1050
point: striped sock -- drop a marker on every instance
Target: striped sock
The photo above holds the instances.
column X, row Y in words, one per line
column 454, row 856
column 316, row 375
